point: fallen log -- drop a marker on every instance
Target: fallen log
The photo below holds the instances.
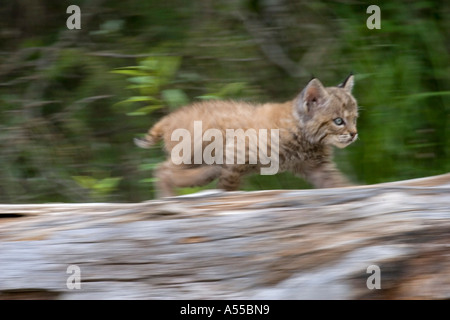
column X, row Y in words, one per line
column 387, row 241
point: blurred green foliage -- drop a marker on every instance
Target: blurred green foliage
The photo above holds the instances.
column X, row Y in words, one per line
column 72, row 100
column 150, row 78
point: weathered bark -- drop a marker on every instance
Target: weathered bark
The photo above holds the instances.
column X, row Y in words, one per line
column 291, row 244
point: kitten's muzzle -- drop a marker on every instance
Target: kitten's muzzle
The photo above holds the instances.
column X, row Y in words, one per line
column 349, row 138
column 353, row 136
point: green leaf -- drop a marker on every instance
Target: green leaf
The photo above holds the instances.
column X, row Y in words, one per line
column 141, row 86
column 85, row 181
column 147, row 166
column 150, row 63
column 112, row 25
column 107, row 185
column 136, row 99
column 174, row 97
column 144, row 111
column 168, row 66
column 148, row 80
column 232, row 89
column 129, row 72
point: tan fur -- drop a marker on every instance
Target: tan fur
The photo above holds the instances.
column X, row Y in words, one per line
column 307, row 132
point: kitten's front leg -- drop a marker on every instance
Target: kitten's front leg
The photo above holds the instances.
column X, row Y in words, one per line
column 326, row 175
column 230, row 178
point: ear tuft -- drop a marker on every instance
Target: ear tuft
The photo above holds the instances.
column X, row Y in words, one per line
column 348, row 83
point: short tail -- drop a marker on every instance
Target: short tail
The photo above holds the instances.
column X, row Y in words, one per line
column 152, row 137
column 145, row 143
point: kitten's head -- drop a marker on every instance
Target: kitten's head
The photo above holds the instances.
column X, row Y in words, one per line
column 328, row 115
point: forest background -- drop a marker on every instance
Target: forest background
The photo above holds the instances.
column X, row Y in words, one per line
column 71, row 101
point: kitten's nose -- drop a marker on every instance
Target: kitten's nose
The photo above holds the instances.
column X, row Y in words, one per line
column 353, row 134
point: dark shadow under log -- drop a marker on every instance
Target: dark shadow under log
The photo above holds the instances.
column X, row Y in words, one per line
column 291, row 244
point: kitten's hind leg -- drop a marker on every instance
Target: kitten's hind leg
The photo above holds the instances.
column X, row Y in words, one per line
column 171, row 176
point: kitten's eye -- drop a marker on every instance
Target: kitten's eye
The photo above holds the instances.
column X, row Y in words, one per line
column 338, row 121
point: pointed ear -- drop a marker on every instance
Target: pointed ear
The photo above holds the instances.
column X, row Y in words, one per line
column 313, row 95
column 348, row 83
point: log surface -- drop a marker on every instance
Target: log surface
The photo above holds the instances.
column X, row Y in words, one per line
column 281, row 244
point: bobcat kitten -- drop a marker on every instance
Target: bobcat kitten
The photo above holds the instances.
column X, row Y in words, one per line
column 308, row 126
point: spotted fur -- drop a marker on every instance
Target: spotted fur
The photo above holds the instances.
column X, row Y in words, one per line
column 309, row 126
